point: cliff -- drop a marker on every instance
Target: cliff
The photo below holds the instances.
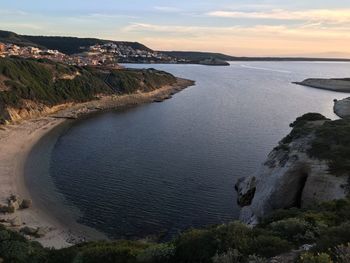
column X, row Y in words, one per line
column 29, row 88
column 309, row 166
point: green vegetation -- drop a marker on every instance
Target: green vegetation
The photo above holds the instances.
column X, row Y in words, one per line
column 333, row 143
column 327, row 225
column 50, row 83
column 331, row 140
column 195, row 56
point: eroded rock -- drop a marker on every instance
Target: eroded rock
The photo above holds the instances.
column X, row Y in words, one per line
column 289, row 178
column 26, row 203
column 245, row 188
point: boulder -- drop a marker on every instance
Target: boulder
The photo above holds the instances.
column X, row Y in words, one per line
column 30, row 231
column 13, row 205
column 14, row 222
column 41, row 232
column 33, row 231
column 26, row 203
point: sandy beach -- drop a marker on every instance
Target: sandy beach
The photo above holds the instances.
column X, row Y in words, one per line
column 17, row 140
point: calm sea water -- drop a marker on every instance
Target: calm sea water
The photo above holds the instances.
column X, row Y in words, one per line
column 161, row 168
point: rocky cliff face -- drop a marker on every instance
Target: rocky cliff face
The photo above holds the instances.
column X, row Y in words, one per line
column 289, row 178
column 30, row 109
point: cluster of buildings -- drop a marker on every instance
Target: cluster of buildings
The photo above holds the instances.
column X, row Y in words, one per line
column 109, row 54
column 7, row 50
column 125, row 53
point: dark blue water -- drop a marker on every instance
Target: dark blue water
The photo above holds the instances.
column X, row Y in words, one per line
column 161, row 168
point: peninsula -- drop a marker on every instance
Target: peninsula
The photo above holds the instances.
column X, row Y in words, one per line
column 339, row 85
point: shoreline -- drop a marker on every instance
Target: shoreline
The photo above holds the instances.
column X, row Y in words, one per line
column 18, row 139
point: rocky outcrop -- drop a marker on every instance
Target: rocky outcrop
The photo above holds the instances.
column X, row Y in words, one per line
column 342, row 108
column 289, row 178
column 30, row 109
column 339, row 85
column 214, row 62
column 33, row 231
column 14, row 203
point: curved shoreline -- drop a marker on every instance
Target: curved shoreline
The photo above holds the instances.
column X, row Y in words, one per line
column 17, row 140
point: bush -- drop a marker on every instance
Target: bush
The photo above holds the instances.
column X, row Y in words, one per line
column 295, row 230
column 15, row 248
column 334, row 236
column 195, row 246
column 342, row 253
column 269, row 246
column 311, row 258
column 160, row 253
column 300, row 121
column 332, row 143
column 231, row 256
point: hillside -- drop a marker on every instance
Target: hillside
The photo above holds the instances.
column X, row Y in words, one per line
column 195, row 56
column 67, row 45
column 41, row 83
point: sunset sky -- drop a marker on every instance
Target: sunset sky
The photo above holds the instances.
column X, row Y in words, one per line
column 235, row 27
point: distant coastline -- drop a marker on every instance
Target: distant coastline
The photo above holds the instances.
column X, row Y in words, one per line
column 18, row 139
column 338, row 85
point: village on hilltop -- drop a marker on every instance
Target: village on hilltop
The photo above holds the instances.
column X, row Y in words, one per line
column 108, row 54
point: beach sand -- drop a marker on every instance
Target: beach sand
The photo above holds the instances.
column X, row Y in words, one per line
column 17, row 140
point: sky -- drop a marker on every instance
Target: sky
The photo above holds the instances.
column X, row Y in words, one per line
column 315, row 28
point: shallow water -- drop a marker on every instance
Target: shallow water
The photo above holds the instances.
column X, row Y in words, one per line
column 161, row 168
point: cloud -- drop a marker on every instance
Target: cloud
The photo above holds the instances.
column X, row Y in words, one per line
column 306, row 31
column 321, row 15
column 167, row 9
column 13, row 12
column 108, row 16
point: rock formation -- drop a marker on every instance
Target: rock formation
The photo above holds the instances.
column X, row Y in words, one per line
column 289, row 178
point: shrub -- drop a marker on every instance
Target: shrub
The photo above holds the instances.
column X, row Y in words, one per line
column 342, row 253
column 15, row 248
column 269, row 246
column 332, row 143
column 311, row 258
column 233, row 235
column 195, row 246
column 300, row 121
column 334, row 236
column 160, row 253
column 296, row 230
column 231, row 256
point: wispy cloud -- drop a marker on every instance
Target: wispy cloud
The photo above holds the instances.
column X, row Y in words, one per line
column 167, row 9
column 306, row 31
column 13, row 12
column 322, row 15
column 108, row 16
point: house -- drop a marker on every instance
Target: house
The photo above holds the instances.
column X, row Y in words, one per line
column 2, row 47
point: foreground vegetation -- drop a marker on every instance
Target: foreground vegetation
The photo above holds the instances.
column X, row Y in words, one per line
column 50, row 83
column 326, row 226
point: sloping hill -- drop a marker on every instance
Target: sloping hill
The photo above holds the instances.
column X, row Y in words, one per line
column 37, row 84
column 67, row 45
column 195, row 56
